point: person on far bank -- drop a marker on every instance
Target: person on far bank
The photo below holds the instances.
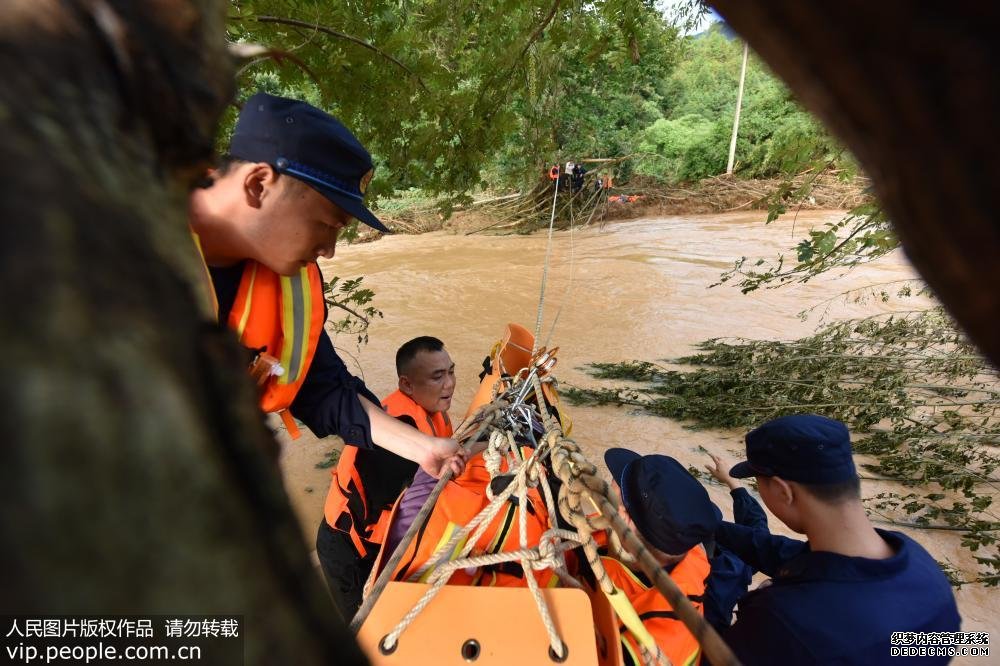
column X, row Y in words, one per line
column 851, row 586
column 294, row 178
column 578, row 174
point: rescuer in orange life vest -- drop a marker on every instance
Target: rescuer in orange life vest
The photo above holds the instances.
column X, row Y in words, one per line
column 294, row 177
column 674, row 518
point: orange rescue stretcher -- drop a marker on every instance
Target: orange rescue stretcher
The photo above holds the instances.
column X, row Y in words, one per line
column 465, row 624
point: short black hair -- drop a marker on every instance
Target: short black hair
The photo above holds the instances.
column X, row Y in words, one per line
column 835, row 493
column 410, row 349
column 227, row 162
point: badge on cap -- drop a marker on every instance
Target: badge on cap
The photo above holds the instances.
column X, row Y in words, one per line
column 365, row 179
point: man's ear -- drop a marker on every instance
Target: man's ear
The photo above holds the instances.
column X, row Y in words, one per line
column 783, row 490
column 405, row 385
column 257, row 182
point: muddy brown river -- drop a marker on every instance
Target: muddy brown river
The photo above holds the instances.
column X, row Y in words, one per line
column 633, row 290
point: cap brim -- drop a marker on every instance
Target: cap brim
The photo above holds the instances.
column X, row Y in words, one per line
column 355, row 209
column 742, row 470
column 617, row 460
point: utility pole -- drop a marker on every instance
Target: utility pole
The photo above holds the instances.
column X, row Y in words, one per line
column 739, row 103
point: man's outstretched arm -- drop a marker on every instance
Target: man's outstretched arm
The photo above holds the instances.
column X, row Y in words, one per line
column 433, row 454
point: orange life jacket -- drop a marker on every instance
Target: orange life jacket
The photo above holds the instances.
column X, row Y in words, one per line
column 460, row 501
column 554, row 173
column 673, row 638
column 284, row 316
column 347, row 504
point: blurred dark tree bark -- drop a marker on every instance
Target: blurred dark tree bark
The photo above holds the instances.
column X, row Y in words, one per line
column 137, row 475
column 913, row 90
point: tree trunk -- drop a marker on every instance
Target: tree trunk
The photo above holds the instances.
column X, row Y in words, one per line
column 137, row 476
column 913, row 90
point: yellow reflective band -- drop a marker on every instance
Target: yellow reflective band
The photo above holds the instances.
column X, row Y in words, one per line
column 630, row 618
column 635, row 579
column 293, row 325
column 287, row 327
column 693, row 659
column 442, row 542
column 503, row 529
column 628, row 647
column 245, row 315
column 209, row 286
column 566, row 423
column 306, row 321
column 438, row 546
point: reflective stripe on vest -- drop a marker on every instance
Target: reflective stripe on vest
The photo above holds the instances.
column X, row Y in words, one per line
column 208, row 289
column 285, row 316
column 655, row 612
column 295, row 303
column 347, row 507
column 459, row 502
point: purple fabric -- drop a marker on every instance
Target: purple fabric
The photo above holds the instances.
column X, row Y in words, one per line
column 409, row 506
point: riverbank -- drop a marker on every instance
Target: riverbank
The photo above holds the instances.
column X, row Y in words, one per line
column 413, row 213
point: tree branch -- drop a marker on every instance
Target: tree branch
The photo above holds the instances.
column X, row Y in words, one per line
column 918, row 526
column 347, row 309
column 339, row 35
column 535, row 36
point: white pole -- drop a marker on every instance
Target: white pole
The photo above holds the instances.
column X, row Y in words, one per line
column 739, row 103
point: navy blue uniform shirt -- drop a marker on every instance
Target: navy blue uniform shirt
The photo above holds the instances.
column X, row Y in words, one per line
column 825, row 608
column 730, row 576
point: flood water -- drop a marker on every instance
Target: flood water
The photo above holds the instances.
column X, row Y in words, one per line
column 634, row 290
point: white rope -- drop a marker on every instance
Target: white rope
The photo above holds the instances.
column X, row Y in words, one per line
column 485, row 517
column 493, row 456
column 545, row 275
column 551, row 545
column 555, row 643
column 561, row 569
column 546, row 555
column 655, row 659
column 480, row 522
column 389, row 642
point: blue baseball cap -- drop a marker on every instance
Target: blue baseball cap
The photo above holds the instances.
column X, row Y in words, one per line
column 300, row 140
column 806, row 448
column 669, row 507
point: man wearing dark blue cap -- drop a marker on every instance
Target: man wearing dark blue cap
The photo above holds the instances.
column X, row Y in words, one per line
column 851, row 587
column 294, row 178
column 673, row 516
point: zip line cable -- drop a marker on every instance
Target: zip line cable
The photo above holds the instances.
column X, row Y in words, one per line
column 545, row 273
